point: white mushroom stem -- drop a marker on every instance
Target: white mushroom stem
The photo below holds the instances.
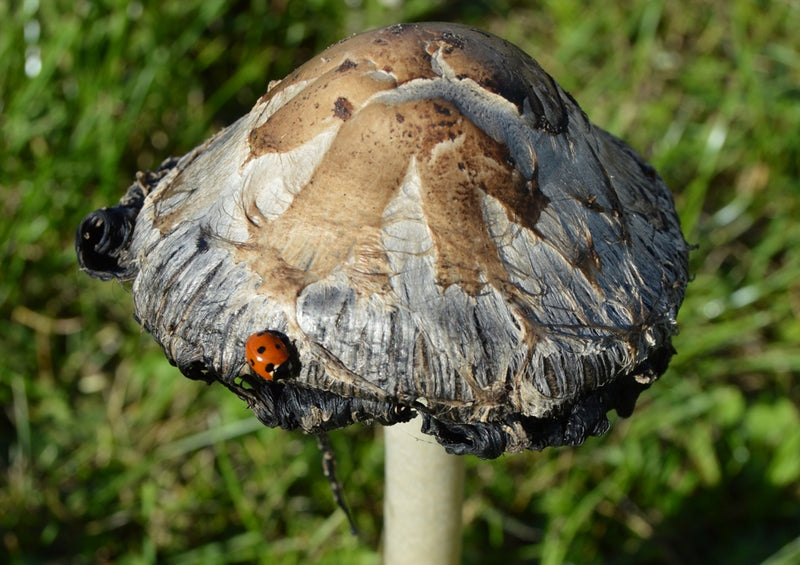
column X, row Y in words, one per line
column 422, row 500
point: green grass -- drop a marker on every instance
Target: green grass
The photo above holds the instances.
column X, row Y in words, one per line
column 109, row 455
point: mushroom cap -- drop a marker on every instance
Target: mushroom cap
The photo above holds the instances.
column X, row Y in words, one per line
column 434, row 225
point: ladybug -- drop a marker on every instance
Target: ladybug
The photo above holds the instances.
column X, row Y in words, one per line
column 267, row 353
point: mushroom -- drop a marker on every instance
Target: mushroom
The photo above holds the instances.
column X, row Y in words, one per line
column 429, row 226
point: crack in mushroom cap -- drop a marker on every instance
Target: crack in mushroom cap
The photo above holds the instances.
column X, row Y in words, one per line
column 436, row 225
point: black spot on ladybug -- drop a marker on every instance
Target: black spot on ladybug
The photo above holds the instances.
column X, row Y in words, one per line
column 269, row 368
column 261, row 349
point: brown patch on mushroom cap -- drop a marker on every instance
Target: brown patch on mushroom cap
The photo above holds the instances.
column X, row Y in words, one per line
column 388, row 57
column 346, row 197
column 333, row 94
column 342, row 108
column 370, row 155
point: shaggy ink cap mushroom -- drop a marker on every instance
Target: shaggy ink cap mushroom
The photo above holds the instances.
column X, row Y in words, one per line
column 436, row 228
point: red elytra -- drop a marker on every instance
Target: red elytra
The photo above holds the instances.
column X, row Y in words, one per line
column 266, row 352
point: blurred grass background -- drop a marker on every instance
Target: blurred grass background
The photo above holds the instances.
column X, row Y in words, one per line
column 109, row 455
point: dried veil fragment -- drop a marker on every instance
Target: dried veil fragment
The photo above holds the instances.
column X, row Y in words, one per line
column 436, row 227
